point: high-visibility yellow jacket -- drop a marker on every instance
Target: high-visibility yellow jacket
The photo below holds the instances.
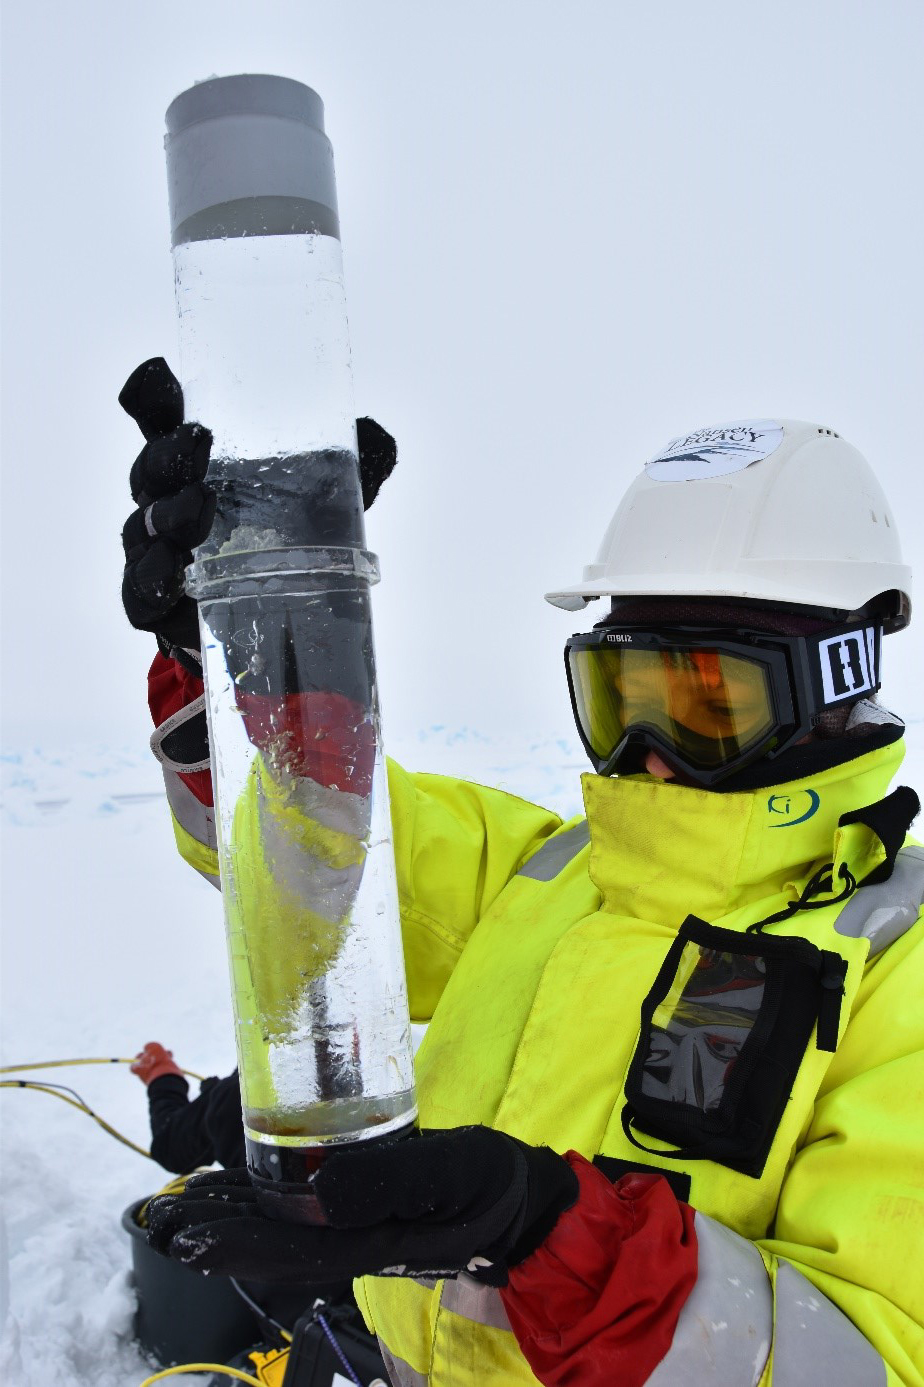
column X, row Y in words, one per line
column 531, row 946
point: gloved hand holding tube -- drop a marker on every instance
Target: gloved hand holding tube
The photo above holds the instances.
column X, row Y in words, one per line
column 175, row 505
column 468, row 1198
column 175, row 510
column 282, row 585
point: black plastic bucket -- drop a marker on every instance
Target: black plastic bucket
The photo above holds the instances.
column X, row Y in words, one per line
column 182, row 1315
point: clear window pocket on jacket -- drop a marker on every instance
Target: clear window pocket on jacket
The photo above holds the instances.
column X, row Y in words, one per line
column 724, row 1031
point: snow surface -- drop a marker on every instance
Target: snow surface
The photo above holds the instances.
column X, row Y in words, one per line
column 110, row 941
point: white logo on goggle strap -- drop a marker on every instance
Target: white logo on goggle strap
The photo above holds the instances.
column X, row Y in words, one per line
column 715, row 452
column 848, row 664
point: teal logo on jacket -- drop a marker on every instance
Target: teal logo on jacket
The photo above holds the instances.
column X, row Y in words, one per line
column 788, row 810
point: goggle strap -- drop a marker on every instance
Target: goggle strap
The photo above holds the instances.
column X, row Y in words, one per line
column 845, row 665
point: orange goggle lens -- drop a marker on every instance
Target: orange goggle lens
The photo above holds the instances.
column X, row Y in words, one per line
column 711, row 705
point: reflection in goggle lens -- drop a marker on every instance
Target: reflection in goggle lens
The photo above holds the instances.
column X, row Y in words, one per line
column 710, row 704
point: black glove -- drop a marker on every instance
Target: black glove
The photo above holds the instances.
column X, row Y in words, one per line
column 431, row 1205
column 378, row 454
column 175, row 507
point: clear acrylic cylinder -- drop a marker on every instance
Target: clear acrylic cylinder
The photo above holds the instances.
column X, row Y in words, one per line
column 306, row 859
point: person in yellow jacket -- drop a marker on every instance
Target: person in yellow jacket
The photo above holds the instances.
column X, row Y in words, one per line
column 671, row 1090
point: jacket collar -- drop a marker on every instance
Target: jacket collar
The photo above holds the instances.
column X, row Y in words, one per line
column 660, row 851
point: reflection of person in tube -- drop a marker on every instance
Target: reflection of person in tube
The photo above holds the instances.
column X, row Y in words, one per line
column 691, row 1056
column 302, row 676
column 303, row 685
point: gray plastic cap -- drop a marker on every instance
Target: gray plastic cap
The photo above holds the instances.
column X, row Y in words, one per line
column 248, row 156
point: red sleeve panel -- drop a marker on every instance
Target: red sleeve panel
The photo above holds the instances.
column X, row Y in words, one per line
column 171, row 688
column 599, row 1300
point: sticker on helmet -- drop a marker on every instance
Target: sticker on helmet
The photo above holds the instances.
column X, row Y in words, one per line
column 715, row 452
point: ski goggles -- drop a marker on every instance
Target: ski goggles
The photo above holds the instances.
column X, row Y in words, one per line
column 710, row 700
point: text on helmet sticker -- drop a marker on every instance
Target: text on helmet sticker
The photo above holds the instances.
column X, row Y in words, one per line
column 715, row 452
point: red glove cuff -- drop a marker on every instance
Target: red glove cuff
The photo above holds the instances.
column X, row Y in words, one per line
column 170, row 689
column 599, row 1300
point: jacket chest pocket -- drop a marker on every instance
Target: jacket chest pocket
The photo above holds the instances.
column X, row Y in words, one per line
column 724, row 1033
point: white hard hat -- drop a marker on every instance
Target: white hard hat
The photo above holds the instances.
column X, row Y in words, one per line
column 764, row 510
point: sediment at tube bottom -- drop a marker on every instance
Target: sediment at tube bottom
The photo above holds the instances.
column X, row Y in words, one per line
column 339, row 1121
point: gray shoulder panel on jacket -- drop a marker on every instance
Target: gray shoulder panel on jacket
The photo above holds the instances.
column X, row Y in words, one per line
column 883, row 913
column 556, row 853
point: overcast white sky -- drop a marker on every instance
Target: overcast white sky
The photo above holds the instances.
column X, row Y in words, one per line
column 570, row 233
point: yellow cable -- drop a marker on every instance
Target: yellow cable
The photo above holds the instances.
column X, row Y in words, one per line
column 203, row 1368
column 76, row 1102
column 60, row 1064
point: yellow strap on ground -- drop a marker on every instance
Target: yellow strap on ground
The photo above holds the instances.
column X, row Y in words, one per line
column 203, row 1368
